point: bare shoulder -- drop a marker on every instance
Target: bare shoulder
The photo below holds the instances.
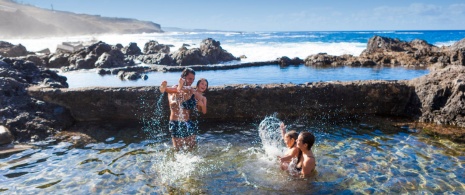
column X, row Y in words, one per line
column 294, row 151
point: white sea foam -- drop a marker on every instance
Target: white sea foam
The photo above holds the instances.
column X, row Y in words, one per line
column 256, row 50
column 447, row 43
column 264, row 51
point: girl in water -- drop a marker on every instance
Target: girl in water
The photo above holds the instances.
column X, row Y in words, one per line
column 290, row 139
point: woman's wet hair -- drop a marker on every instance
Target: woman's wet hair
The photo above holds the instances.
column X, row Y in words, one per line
column 308, row 138
column 200, row 80
column 186, row 72
column 292, row 134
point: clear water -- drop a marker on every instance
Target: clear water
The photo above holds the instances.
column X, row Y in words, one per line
column 233, row 159
column 251, row 75
column 240, row 158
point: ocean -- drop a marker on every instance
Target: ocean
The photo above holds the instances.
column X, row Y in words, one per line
column 261, row 46
column 257, row 46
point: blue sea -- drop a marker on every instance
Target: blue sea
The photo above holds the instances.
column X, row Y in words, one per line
column 258, row 46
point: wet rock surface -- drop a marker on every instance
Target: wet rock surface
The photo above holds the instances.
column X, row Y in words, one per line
column 384, row 51
column 314, row 100
column 27, row 117
column 5, row 136
column 441, row 96
column 103, row 55
column 9, row 50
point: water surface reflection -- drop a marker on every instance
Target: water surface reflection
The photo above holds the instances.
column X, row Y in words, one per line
column 251, row 75
column 230, row 159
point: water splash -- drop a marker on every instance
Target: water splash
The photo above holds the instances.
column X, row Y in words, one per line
column 152, row 118
column 270, row 134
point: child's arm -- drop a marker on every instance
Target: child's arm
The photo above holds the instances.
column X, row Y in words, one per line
column 181, row 84
column 174, row 89
column 163, row 86
column 283, row 130
column 288, row 157
column 285, row 158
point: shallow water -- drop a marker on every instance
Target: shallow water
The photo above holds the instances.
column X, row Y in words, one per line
column 232, row 159
column 251, row 75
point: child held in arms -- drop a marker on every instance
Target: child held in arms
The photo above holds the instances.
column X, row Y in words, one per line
column 290, row 139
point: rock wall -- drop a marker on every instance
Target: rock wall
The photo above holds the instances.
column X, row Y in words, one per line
column 441, row 96
column 240, row 102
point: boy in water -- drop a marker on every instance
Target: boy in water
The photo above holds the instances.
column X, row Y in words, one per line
column 290, row 139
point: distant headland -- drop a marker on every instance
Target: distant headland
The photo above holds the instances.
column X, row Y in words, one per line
column 19, row 21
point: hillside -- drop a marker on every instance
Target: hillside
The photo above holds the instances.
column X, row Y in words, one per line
column 18, row 20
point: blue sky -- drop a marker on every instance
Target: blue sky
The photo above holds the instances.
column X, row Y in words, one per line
column 277, row 15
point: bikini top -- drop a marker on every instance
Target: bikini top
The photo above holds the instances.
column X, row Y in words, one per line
column 190, row 103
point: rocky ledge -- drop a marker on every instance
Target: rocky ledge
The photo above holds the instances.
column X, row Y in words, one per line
column 437, row 98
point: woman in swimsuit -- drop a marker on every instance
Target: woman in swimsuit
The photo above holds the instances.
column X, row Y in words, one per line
column 306, row 162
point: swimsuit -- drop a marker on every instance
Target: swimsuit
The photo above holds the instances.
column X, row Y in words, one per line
column 182, row 129
column 190, row 103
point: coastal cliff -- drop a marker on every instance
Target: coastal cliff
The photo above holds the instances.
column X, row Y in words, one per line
column 19, row 20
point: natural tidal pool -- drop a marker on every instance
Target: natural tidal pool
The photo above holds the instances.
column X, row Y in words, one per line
column 251, row 75
column 236, row 158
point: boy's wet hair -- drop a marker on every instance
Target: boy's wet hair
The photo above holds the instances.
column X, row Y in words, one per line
column 292, row 134
column 200, row 80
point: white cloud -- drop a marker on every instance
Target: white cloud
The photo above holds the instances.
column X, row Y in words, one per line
column 457, row 9
column 425, row 9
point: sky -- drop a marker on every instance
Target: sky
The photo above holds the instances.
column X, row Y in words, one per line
column 277, row 15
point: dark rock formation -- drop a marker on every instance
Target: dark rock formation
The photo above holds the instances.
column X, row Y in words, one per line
column 125, row 75
column 112, row 59
column 97, row 55
column 158, row 58
column 58, row 60
column 323, row 59
column 132, row 49
column 9, row 50
column 27, row 117
column 212, row 51
column 153, row 47
column 186, row 57
column 384, row 51
column 388, row 51
column 286, row 61
column 441, row 96
column 5, row 136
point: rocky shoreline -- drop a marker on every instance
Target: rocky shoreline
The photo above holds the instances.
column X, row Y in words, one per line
column 36, row 103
